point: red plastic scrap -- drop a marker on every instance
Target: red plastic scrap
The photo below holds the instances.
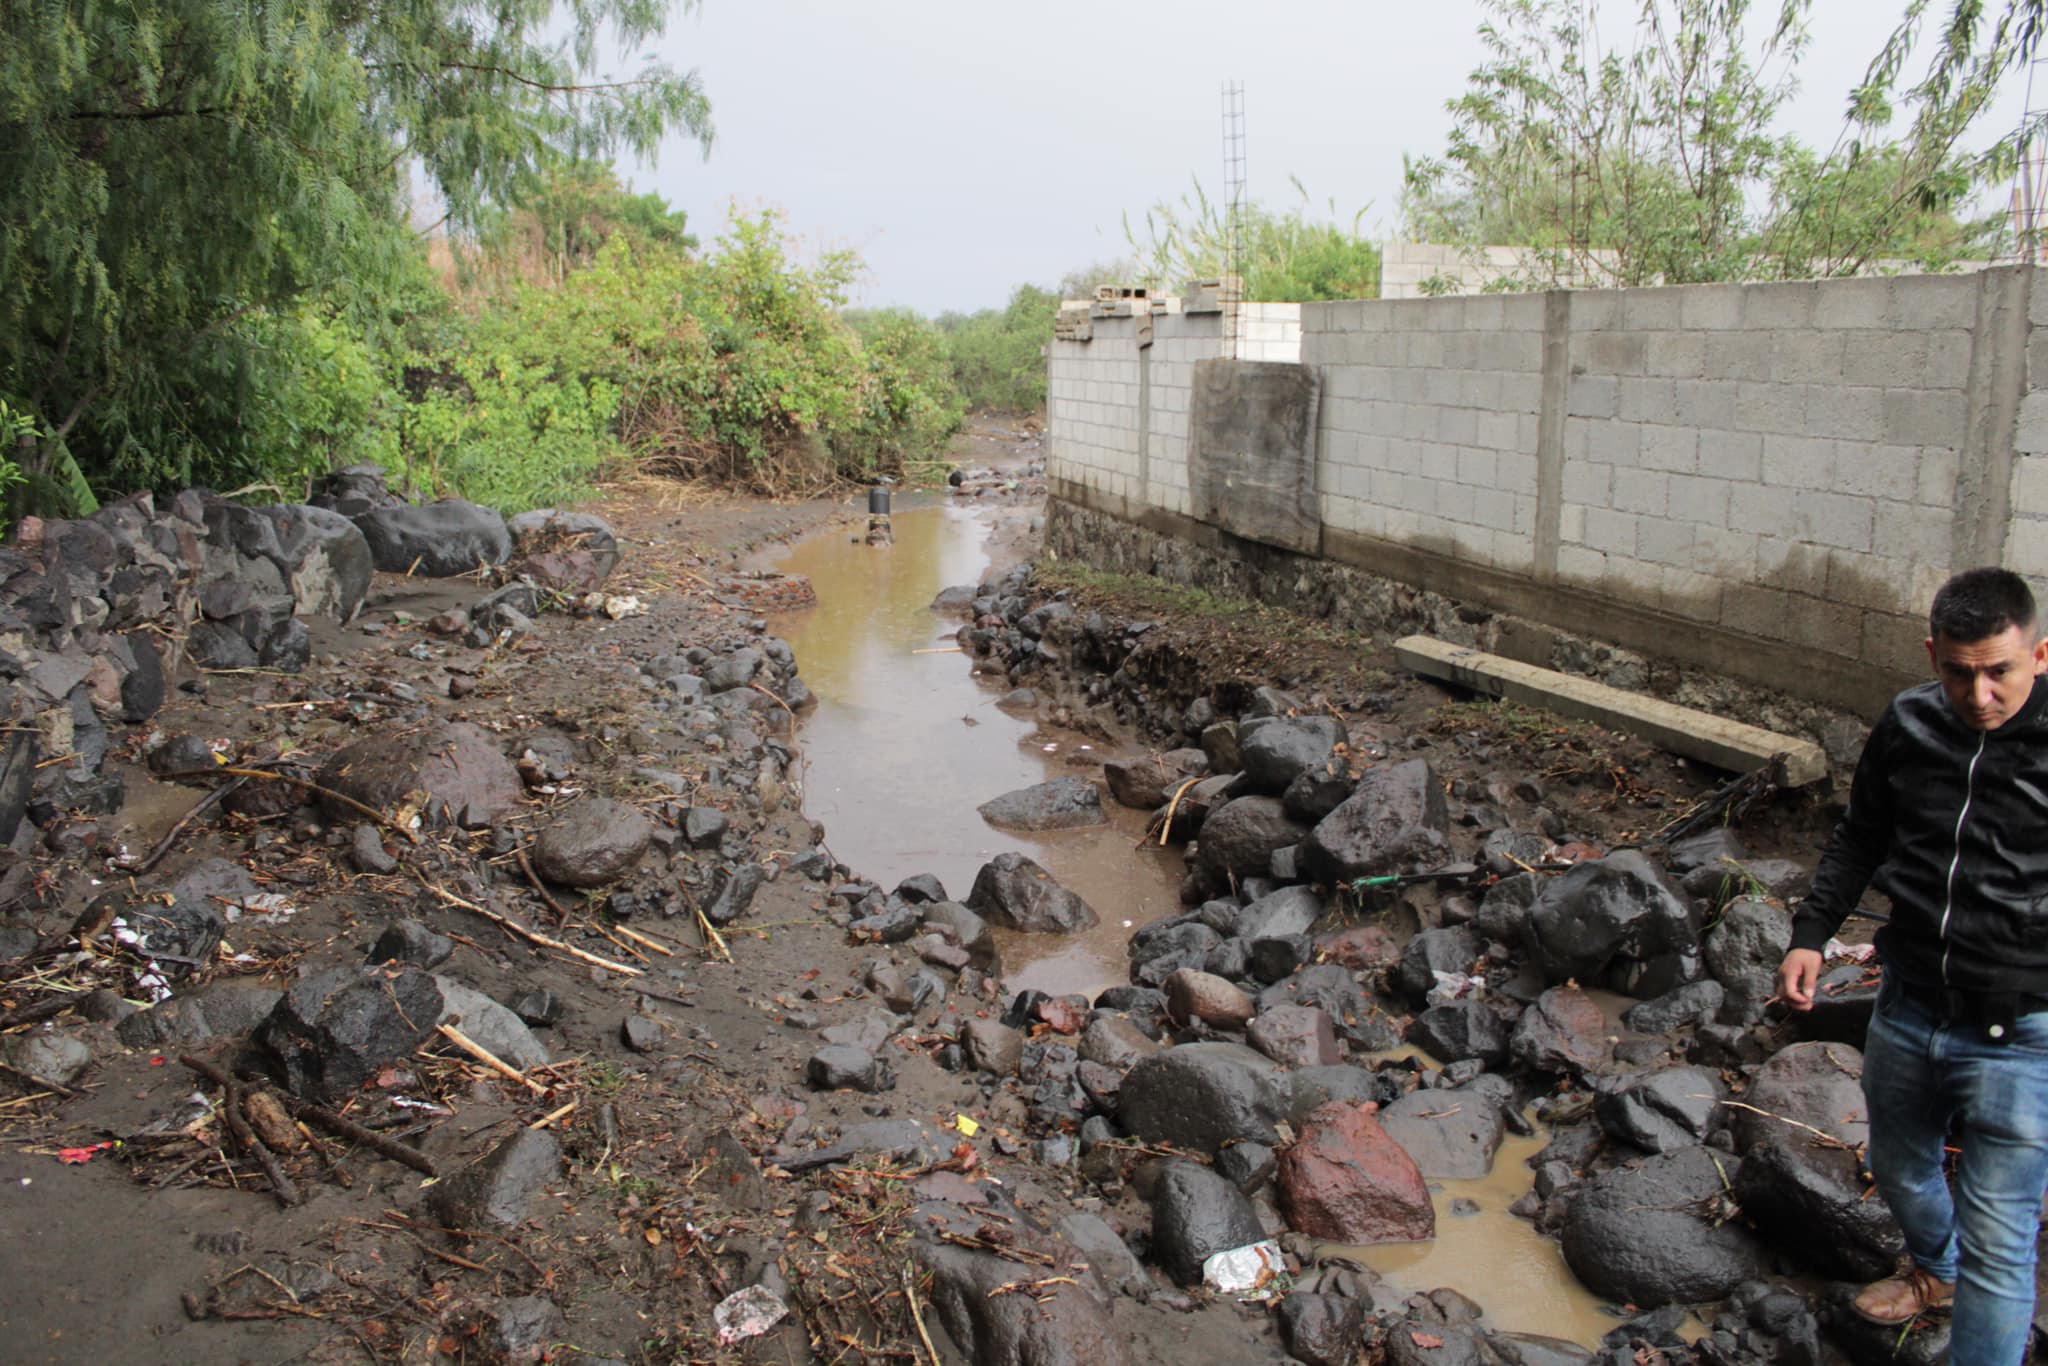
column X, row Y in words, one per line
column 78, row 1157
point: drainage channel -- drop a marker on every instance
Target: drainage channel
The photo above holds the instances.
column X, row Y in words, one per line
column 907, row 741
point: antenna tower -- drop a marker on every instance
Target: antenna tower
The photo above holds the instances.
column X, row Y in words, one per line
column 2030, row 193
column 1233, row 212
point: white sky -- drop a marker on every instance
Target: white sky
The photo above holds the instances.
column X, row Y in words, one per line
column 964, row 148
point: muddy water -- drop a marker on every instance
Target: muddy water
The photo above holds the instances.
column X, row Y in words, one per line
column 905, row 745
column 1514, row 1273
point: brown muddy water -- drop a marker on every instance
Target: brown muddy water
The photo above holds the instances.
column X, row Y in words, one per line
column 905, row 745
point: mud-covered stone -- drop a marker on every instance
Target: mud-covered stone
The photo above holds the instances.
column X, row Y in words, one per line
column 1202, row 1096
column 1656, row 1232
column 1614, row 921
column 1013, row 892
column 1295, row 1036
column 498, row 1190
column 435, row 540
column 1451, row 1134
column 1149, row 781
column 452, row 762
column 331, row 1032
column 596, row 841
column 1216, row 1002
column 1346, row 1180
column 1273, row 753
column 1239, row 837
column 1061, row 804
column 842, row 1067
column 408, row 941
column 1457, row 1030
column 1195, row 1215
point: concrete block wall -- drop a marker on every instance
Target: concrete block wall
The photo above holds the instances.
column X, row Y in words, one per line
column 1269, row 332
column 1430, row 417
column 1770, row 480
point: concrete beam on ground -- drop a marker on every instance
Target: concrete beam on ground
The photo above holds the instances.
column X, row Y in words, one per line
column 1729, row 745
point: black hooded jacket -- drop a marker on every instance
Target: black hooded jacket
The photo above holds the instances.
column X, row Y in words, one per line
column 1952, row 825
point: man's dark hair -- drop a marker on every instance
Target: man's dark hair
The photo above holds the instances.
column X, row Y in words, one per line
column 1978, row 604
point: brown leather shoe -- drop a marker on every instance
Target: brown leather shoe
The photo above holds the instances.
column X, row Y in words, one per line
column 1904, row 1298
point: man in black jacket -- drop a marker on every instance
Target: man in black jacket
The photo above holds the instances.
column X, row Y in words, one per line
column 1948, row 818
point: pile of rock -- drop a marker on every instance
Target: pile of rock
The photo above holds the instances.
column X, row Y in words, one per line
column 1248, row 1030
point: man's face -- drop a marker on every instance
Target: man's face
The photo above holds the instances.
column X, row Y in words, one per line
column 1988, row 680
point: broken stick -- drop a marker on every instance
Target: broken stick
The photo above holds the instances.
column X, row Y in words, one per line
column 534, row 936
column 488, row 1058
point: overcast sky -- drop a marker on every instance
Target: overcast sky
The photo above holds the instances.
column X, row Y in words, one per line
column 964, row 148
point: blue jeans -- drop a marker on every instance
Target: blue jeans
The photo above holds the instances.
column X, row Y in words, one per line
column 1920, row 1072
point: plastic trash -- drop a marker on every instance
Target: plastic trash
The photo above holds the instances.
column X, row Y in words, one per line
column 747, row 1314
column 1455, row 986
column 1254, row 1269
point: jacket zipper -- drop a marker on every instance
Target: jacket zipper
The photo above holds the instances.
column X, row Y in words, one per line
column 1956, row 859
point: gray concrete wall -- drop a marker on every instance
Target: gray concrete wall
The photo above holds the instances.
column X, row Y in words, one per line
column 1768, row 480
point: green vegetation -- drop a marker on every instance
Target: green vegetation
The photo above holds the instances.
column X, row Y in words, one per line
column 998, row 354
column 1284, row 256
column 1660, row 161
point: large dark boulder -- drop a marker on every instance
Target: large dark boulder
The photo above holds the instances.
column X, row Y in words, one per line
column 1202, row 1096
column 1239, row 837
column 1452, row 1134
column 1062, row 804
column 1395, row 820
column 1195, row 1215
column 1658, row 1231
column 497, row 1191
column 1662, row 1111
column 1813, row 1201
column 324, row 556
column 331, row 1032
column 435, row 540
column 1277, row 751
column 1066, row 1323
column 1012, row 892
column 1149, row 782
column 453, row 762
column 1563, row 1033
column 1612, row 921
column 595, row 841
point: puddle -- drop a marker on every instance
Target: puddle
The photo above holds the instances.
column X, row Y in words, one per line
column 904, row 746
column 1514, row 1273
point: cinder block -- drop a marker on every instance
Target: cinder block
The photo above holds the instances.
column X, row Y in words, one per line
column 1595, row 310
column 1739, row 355
column 1521, row 393
column 1754, row 609
column 1937, row 487
column 1948, row 359
column 1524, row 312
column 1770, row 408
column 2030, row 486
column 1833, row 519
column 1852, row 303
column 1798, row 462
column 1923, row 417
column 1704, row 403
column 1681, row 355
column 1475, row 467
column 1494, row 508
column 1912, row 532
column 1894, row 643
column 1878, row 470
column 1590, row 484
column 1711, row 308
column 1724, row 553
column 1766, row 306
column 2030, row 434
column 1454, row 501
column 1664, row 541
column 1514, row 550
column 1514, row 471
column 1651, row 310
column 1731, row 455
column 1887, row 359
column 1761, row 509
column 1829, row 627
column 1497, row 431
column 1581, row 565
column 1592, row 396
column 1669, row 448
column 1614, row 443
column 1609, row 353
column 1849, row 412
column 1643, row 399
column 1642, row 491
column 1701, row 501
column 2028, row 554
column 1927, row 302
column 1610, row 532
column 1806, row 357
column 1685, row 593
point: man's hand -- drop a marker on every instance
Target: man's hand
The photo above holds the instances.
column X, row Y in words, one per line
column 1798, row 975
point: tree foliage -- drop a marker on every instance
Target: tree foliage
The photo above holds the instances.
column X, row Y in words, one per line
column 182, row 180
column 1284, row 255
column 997, row 355
column 1661, row 161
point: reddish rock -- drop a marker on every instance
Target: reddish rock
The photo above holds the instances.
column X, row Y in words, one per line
column 1347, row 1181
column 1362, row 948
column 1062, row 1016
column 1192, row 994
column 1296, row 1036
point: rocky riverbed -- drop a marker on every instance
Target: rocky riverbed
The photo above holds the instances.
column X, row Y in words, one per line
column 529, row 1016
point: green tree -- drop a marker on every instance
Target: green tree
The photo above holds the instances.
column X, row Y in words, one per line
column 1284, row 256
column 997, row 355
column 177, row 174
column 1661, row 161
